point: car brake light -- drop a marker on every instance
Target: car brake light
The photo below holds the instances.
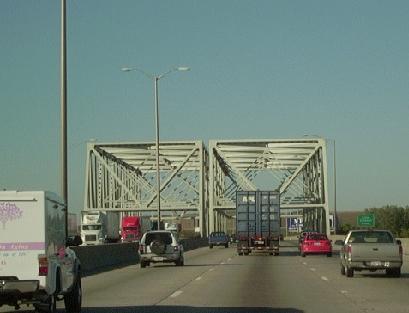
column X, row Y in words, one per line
column 42, row 265
column 176, row 248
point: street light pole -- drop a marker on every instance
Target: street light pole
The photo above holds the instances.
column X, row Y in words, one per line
column 64, row 175
column 156, row 80
column 335, row 192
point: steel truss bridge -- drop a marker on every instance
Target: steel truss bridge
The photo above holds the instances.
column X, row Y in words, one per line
column 202, row 184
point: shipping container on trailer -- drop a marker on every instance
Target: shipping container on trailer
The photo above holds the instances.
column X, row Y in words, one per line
column 258, row 222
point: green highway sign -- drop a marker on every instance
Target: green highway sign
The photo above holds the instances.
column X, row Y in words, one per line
column 366, row 220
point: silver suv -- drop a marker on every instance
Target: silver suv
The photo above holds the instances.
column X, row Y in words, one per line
column 160, row 246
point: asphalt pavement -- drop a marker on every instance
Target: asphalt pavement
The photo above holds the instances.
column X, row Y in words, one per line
column 220, row 281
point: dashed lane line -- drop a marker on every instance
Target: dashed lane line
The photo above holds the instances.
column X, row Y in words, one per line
column 324, row 278
column 312, row 269
column 176, row 294
column 198, row 278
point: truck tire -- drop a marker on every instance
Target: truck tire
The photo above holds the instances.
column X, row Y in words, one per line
column 226, row 245
column 180, row 262
column 349, row 272
column 73, row 299
column 393, row 272
column 143, row 264
column 50, row 306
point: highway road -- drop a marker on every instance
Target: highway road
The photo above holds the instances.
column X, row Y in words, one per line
column 220, row 281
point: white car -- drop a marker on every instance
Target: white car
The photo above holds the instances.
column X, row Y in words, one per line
column 160, row 246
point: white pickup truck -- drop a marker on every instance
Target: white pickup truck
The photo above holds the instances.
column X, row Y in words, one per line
column 36, row 266
column 371, row 250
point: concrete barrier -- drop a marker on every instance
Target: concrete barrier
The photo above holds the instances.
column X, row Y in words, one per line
column 100, row 258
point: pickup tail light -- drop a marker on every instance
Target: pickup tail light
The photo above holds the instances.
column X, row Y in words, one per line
column 42, row 265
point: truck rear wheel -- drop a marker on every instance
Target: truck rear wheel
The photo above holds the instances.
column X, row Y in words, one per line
column 349, row 272
column 73, row 299
column 50, row 306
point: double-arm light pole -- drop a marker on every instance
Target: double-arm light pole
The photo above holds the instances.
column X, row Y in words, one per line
column 156, row 79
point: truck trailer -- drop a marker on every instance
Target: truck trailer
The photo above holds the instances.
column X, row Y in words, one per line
column 98, row 227
column 36, row 265
column 258, row 222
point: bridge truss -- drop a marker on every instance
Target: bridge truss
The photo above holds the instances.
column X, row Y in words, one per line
column 297, row 168
column 122, row 177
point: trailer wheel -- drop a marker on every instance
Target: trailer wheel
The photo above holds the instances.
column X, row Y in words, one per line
column 73, row 299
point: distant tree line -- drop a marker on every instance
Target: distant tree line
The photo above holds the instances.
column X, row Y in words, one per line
column 391, row 217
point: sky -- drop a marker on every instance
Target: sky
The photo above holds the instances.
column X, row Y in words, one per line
column 259, row 69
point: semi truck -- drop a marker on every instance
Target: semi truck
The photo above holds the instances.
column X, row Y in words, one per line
column 36, row 265
column 258, row 222
column 99, row 227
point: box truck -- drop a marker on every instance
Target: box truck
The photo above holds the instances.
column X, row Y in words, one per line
column 36, row 266
column 99, row 227
column 258, row 222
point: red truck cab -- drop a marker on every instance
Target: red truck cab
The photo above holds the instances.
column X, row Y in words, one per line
column 131, row 228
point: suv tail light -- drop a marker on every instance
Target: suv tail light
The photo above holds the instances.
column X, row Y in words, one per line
column 141, row 249
column 42, row 265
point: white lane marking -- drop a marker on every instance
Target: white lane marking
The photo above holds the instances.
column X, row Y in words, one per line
column 324, row 278
column 211, row 270
column 198, row 278
column 304, row 263
column 344, row 292
column 229, row 259
column 176, row 293
column 222, row 263
column 312, row 269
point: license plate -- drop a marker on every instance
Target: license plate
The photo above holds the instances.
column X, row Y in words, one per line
column 259, row 242
column 375, row 263
column 317, row 243
column 157, row 258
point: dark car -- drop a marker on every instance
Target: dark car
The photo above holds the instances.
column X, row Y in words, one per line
column 218, row 239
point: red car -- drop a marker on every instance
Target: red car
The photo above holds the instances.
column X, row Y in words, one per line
column 316, row 244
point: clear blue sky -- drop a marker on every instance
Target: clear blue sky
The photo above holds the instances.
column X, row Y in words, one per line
column 260, row 69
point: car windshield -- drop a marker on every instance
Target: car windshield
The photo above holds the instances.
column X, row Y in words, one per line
column 166, row 238
column 91, row 227
column 316, row 237
column 371, row 237
column 217, row 234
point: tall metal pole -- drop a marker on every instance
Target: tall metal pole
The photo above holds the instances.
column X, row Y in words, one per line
column 335, row 193
column 64, row 184
column 157, row 146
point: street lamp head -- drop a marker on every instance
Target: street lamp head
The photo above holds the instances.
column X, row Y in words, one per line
column 183, row 68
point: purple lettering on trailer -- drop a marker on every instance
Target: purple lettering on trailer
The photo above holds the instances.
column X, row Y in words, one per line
column 19, row 246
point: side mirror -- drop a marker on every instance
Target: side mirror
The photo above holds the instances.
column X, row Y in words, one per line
column 399, row 242
column 339, row 242
column 73, row 241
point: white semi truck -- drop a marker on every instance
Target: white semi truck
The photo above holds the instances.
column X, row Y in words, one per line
column 99, row 227
column 36, row 266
